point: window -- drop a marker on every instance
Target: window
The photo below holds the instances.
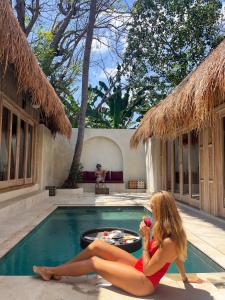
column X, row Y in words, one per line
column 224, row 158
column 29, row 150
column 13, row 148
column 185, row 164
column 16, row 147
column 182, row 155
column 22, row 149
column 176, row 167
column 194, row 165
column 4, row 145
column 168, row 166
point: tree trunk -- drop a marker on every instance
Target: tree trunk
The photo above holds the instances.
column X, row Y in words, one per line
column 20, row 9
column 71, row 181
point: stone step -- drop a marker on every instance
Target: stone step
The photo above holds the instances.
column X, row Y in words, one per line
column 20, row 204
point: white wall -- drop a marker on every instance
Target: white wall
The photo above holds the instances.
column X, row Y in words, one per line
column 104, row 151
column 153, row 165
column 110, row 147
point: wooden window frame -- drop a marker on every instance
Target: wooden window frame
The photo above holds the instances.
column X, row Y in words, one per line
column 28, row 120
column 221, row 135
column 187, row 198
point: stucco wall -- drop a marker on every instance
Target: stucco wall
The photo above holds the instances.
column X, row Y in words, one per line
column 109, row 147
column 153, row 165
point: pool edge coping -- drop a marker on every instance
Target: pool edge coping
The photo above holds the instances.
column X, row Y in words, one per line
column 8, row 244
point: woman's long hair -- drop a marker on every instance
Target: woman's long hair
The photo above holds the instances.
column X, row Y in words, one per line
column 168, row 222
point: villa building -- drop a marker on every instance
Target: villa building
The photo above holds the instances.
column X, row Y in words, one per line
column 35, row 146
column 26, row 100
column 185, row 138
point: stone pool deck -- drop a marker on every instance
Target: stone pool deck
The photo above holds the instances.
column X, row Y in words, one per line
column 205, row 232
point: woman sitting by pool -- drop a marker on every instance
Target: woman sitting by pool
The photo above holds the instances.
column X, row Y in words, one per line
column 139, row 277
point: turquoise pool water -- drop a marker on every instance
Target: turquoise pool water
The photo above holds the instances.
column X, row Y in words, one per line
column 57, row 239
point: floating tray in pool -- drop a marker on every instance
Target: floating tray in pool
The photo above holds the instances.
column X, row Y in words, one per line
column 125, row 239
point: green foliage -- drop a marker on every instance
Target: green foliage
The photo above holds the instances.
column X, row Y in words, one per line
column 61, row 75
column 75, row 176
column 167, row 39
column 43, row 51
column 117, row 110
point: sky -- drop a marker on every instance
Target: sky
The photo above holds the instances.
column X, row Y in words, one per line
column 101, row 52
column 104, row 58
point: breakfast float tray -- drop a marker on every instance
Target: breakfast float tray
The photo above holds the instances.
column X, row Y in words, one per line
column 125, row 239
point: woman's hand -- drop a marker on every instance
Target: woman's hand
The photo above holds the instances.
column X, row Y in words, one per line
column 144, row 231
column 193, row 280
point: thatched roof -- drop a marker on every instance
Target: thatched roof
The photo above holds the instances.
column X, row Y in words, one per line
column 190, row 105
column 15, row 50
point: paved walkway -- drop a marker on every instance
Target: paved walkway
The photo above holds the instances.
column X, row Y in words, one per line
column 204, row 231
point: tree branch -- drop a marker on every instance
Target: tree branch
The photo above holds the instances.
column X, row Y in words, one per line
column 35, row 11
column 20, row 10
column 58, row 35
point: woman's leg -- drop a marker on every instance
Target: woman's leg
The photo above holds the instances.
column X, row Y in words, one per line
column 120, row 275
column 106, row 251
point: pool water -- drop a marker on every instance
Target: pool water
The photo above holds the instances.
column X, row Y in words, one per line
column 57, row 239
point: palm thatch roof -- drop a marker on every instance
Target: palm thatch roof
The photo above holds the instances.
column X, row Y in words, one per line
column 15, row 50
column 191, row 104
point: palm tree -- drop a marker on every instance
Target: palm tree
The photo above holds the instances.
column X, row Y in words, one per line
column 70, row 182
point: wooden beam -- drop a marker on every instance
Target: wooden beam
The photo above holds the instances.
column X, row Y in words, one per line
column 11, row 105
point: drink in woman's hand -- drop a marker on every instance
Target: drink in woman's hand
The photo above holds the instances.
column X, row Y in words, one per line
column 147, row 221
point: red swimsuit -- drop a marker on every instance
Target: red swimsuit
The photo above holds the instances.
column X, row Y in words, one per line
column 155, row 278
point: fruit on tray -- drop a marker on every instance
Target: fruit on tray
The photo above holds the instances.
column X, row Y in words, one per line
column 147, row 221
column 116, row 234
column 130, row 237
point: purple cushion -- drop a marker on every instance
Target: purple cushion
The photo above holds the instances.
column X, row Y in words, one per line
column 116, row 175
column 108, row 176
column 83, row 177
column 90, row 176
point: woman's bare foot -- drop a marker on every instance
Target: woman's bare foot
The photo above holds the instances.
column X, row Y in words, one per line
column 42, row 272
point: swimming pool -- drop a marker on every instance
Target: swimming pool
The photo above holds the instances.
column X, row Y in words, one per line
column 57, row 239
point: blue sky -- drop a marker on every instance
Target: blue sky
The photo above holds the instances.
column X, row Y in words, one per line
column 104, row 58
column 101, row 52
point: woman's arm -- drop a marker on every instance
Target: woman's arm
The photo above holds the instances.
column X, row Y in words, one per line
column 164, row 254
column 185, row 279
column 181, row 269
